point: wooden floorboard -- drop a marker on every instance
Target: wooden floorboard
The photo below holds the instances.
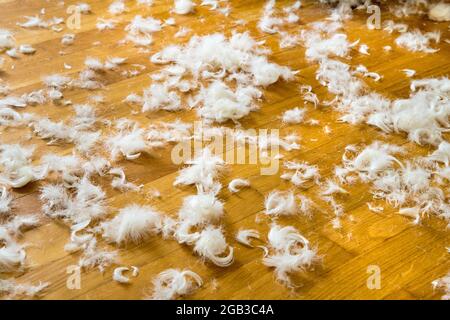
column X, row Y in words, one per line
column 410, row 257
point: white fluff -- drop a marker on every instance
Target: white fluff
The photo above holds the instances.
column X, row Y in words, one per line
column 244, row 236
column 442, row 153
column 294, row 116
column 364, row 49
column 120, row 181
column 12, row 255
column 68, row 39
column 86, row 203
column 13, row 289
column 7, row 40
column 268, row 23
column 202, row 171
column 236, row 184
column 201, row 209
column 211, row 244
column 129, row 142
column 133, row 223
column 95, row 257
column 26, row 49
column 443, row 284
column 439, row 12
column 409, row 72
column 331, row 187
column 17, row 168
column 5, row 202
column 217, row 100
column 280, row 203
column 417, row 41
column 299, row 173
column 84, row 8
column 117, row 7
column 291, row 252
column 173, row 283
column 183, row 6
column 373, row 160
column 119, row 277
column 105, row 24
column 220, row 103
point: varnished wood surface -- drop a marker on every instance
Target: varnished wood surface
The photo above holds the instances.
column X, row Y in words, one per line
column 409, row 256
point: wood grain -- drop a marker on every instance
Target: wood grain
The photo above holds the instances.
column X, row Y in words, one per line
column 410, row 257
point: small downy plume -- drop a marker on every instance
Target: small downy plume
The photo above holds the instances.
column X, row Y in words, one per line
column 415, row 41
column 118, row 274
column 365, row 72
column 12, row 254
column 211, row 244
column 291, row 252
column 68, row 39
column 202, row 171
column 280, row 203
column 38, row 22
column 244, row 235
column 133, row 224
column 84, row 8
column 409, row 72
column 10, row 117
column 443, row 284
column 439, row 12
column 140, row 30
column 12, row 289
column 17, row 168
column 441, row 154
column 117, row 7
column 129, row 141
column 7, row 40
column 87, row 202
column 299, row 173
column 183, row 6
column 294, row 116
column 5, row 202
column 235, row 185
column 201, row 209
column 173, row 283
column 391, row 26
column 220, row 103
column 268, row 23
column 26, row 49
column 120, row 181
column 364, row 49
column 94, row 257
column 372, row 160
column 105, row 24
column 331, row 187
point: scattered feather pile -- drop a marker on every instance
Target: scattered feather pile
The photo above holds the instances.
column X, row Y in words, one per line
column 241, row 59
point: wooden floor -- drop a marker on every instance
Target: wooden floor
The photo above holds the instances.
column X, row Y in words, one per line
column 409, row 256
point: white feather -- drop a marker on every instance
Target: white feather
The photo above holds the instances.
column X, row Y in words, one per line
column 243, row 236
column 211, row 244
column 174, row 283
column 235, row 184
column 133, row 223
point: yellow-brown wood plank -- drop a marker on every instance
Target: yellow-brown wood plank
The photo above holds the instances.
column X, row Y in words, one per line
column 409, row 256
